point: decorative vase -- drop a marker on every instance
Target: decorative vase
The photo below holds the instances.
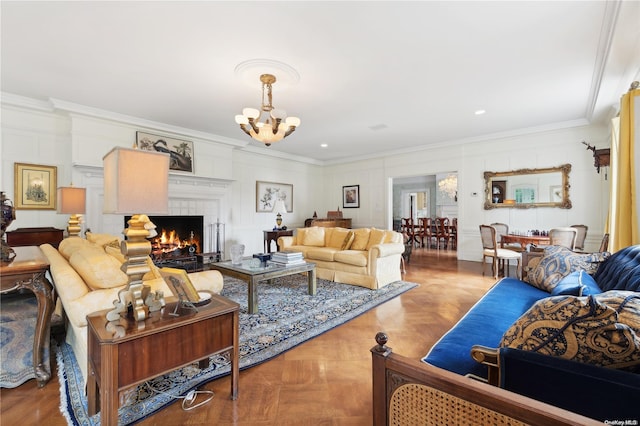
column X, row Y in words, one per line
column 237, row 251
column 8, row 216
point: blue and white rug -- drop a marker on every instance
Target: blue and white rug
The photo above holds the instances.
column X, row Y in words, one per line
column 18, row 317
column 287, row 317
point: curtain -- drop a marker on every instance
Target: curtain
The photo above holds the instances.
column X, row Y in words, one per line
column 623, row 205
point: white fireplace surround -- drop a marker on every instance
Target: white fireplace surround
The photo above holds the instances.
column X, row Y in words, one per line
column 188, row 195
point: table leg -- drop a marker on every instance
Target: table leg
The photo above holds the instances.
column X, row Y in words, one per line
column 43, row 290
column 311, row 276
column 252, row 303
column 108, row 386
column 93, row 394
column 235, row 357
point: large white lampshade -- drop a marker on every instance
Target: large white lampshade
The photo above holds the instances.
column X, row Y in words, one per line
column 136, row 181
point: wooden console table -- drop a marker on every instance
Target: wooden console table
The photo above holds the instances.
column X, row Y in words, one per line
column 273, row 236
column 27, row 270
column 34, row 236
column 124, row 353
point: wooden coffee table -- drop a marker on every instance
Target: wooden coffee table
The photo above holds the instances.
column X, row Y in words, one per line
column 253, row 275
column 125, row 353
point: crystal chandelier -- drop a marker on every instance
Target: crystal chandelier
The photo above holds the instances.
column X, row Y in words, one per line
column 449, row 186
column 273, row 129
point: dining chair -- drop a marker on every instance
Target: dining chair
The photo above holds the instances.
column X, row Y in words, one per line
column 426, row 228
column 409, row 229
column 453, row 230
column 582, row 235
column 604, row 244
column 490, row 249
column 565, row 236
column 442, row 231
column 503, row 229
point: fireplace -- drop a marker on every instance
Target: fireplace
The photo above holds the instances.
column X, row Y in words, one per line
column 179, row 240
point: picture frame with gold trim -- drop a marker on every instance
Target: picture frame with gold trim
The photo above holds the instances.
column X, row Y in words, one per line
column 35, row 186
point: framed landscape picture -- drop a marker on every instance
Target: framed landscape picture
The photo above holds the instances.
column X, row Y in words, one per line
column 180, row 151
column 351, row 197
column 267, row 193
column 35, row 187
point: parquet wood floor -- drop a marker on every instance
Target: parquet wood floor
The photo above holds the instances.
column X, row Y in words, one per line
column 325, row 381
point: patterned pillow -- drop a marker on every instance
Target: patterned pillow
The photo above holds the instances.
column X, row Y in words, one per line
column 348, row 240
column 558, row 262
column 582, row 329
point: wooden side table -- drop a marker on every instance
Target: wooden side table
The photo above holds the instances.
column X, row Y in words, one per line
column 124, row 353
column 273, row 236
column 27, row 270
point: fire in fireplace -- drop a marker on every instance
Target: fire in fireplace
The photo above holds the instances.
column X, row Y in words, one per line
column 179, row 239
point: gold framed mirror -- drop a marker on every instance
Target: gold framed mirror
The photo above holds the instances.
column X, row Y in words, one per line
column 527, row 188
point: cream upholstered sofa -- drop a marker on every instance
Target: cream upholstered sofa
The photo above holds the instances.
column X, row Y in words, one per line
column 86, row 275
column 367, row 257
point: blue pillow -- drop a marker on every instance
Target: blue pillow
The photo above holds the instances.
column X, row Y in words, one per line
column 577, row 283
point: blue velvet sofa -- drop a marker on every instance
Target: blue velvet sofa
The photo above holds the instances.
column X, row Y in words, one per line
column 473, row 348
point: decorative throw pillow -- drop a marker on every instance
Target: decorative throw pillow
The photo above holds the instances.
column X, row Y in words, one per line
column 98, row 269
column 559, row 262
column 580, row 329
column 361, row 239
column 337, row 237
column 70, row 245
column 577, row 283
column 376, row 236
column 314, row 237
column 348, row 241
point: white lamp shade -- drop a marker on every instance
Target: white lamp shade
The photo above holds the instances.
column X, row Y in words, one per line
column 136, row 181
column 280, row 207
column 71, row 200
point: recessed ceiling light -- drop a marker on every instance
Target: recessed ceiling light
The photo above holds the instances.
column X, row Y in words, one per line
column 324, row 145
column 480, row 112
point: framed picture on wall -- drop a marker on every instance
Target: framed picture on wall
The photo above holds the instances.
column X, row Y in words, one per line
column 267, row 193
column 180, row 151
column 34, row 187
column 498, row 191
column 351, row 197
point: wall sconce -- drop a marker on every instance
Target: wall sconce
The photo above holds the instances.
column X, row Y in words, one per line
column 136, row 181
column 72, row 201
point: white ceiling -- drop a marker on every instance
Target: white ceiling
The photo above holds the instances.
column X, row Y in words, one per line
column 374, row 77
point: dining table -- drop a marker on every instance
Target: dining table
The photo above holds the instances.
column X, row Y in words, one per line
column 524, row 240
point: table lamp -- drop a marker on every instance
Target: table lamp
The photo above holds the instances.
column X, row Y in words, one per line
column 136, row 181
column 280, row 208
column 72, row 200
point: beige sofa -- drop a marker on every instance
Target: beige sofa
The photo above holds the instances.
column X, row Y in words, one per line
column 367, row 257
column 86, row 275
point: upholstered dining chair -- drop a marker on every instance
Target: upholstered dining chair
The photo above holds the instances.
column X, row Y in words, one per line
column 503, row 229
column 490, row 249
column 565, row 236
column 582, row 235
column 604, row 244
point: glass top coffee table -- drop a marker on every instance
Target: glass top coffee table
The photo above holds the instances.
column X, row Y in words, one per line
column 250, row 272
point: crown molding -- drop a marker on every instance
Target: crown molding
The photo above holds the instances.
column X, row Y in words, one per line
column 25, row 102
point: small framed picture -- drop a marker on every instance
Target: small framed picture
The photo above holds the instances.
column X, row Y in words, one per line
column 351, row 197
column 34, row 187
column 180, row 151
column 180, row 284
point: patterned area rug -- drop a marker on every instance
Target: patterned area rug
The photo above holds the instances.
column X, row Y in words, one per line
column 287, row 317
column 18, row 316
